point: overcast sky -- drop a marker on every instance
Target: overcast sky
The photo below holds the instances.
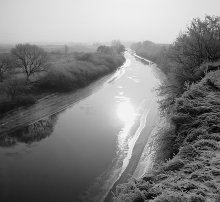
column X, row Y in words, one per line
column 98, row 20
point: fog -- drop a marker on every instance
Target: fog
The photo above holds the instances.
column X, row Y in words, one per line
column 98, row 20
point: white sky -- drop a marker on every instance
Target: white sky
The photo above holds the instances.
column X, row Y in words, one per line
column 99, row 20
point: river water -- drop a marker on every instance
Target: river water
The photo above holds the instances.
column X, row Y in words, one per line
column 79, row 153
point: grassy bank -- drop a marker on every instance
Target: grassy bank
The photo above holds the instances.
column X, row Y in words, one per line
column 64, row 72
column 193, row 172
column 186, row 167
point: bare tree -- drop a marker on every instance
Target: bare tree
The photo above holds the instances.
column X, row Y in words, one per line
column 5, row 66
column 30, row 58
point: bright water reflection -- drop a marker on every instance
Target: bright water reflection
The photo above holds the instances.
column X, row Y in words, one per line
column 125, row 112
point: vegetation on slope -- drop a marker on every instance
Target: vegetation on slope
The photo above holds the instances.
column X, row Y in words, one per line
column 193, row 174
column 189, row 170
column 29, row 73
column 150, row 50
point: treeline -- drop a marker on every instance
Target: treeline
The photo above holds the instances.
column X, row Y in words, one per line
column 150, row 50
column 28, row 72
column 186, row 167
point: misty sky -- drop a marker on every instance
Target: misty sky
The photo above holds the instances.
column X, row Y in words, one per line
column 98, row 20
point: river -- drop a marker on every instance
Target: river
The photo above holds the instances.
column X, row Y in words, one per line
column 80, row 152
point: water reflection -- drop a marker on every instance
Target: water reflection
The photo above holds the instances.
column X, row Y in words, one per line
column 125, row 112
column 29, row 134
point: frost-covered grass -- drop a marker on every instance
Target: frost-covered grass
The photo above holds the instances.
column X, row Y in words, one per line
column 188, row 158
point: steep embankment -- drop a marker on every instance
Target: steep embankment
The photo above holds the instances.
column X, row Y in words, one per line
column 193, row 174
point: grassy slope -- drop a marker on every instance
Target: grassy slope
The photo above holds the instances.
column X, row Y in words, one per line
column 193, row 173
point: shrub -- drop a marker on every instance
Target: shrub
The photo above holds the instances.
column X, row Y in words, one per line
column 200, row 176
column 214, row 128
column 25, row 100
column 213, row 136
column 196, row 198
column 188, row 152
column 204, row 144
column 56, row 81
column 195, row 134
column 20, row 101
column 165, row 138
column 173, row 164
column 13, row 87
column 179, row 118
column 170, row 197
column 191, row 167
column 6, row 106
column 79, row 72
column 215, row 172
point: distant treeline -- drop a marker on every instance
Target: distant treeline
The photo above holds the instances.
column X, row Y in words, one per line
column 186, row 165
column 28, row 72
column 149, row 50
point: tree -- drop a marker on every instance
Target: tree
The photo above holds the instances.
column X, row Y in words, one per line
column 186, row 60
column 30, row 58
column 6, row 64
column 116, row 44
column 104, row 49
column 66, row 49
column 199, row 44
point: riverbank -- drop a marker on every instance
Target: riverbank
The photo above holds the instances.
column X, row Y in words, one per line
column 63, row 73
column 149, row 123
column 148, row 154
column 50, row 104
column 193, row 174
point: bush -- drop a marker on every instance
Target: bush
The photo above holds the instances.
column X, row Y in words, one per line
column 188, row 152
column 196, row 198
column 20, row 101
column 206, row 144
column 6, row 106
column 213, row 136
column 195, row 134
column 173, row 165
column 170, row 197
column 191, row 167
column 25, row 100
column 56, row 81
column 165, row 138
column 85, row 68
